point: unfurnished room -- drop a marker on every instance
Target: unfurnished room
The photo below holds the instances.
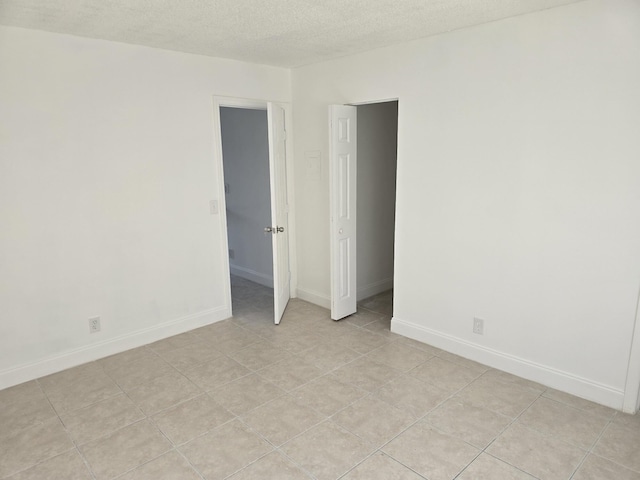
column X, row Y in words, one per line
column 322, row 240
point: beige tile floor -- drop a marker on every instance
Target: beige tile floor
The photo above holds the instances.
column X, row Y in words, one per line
column 308, row 399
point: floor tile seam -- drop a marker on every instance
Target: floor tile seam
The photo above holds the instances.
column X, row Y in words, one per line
column 255, row 370
column 360, row 306
column 178, row 446
column 375, row 452
column 286, row 394
column 297, row 465
column 580, row 463
column 197, row 342
column 364, row 392
column 262, row 437
column 372, row 395
column 626, row 467
column 76, row 446
column 480, row 451
column 122, row 474
column 254, row 430
column 161, row 350
column 148, row 379
column 507, row 463
column 96, row 362
column 579, row 410
column 194, row 366
column 40, row 462
column 595, row 443
column 506, row 383
column 105, row 436
column 548, row 434
column 452, row 397
column 235, row 472
column 176, row 405
column 81, row 446
column 219, row 385
column 202, row 477
column 585, row 453
column 227, row 353
column 453, row 394
column 261, row 375
column 339, row 427
column 86, row 463
column 292, row 338
column 56, row 414
column 318, row 365
column 364, row 356
column 384, row 444
column 202, row 390
column 468, row 464
column 513, row 421
column 418, row 418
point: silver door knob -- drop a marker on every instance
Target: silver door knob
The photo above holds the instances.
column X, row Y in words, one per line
column 268, row 229
column 280, row 229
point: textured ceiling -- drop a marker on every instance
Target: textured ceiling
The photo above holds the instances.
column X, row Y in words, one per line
column 276, row 32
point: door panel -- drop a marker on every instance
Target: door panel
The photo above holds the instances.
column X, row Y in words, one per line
column 343, row 165
column 279, row 209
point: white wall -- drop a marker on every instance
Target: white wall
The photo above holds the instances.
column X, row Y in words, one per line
column 106, row 173
column 245, row 148
column 376, row 193
column 518, row 190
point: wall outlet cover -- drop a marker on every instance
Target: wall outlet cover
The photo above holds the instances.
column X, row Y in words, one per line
column 478, row 326
column 94, row 324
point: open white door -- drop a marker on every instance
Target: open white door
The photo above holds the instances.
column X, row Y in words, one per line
column 342, row 167
column 279, row 209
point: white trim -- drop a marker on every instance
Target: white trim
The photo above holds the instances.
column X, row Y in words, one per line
column 316, row 298
column 222, row 200
column 374, row 288
column 291, row 218
column 89, row 353
column 252, row 275
column 632, row 384
column 560, row 380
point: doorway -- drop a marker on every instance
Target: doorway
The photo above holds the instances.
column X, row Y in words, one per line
column 363, row 164
column 377, row 147
column 245, row 159
column 248, row 147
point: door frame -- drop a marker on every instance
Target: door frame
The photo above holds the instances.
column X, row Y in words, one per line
column 631, row 398
column 219, row 195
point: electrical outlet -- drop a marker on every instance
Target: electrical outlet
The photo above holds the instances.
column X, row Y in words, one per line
column 478, row 326
column 94, row 324
column 213, row 207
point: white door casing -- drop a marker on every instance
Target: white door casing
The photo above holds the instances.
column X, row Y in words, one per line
column 343, row 168
column 279, row 208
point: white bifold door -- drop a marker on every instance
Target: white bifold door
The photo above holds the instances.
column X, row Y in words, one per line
column 279, row 208
column 342, row 166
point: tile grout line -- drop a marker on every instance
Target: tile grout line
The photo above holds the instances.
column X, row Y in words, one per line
column 75, row 445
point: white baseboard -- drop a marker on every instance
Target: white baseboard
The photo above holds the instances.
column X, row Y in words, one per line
column 316, row 298
column 252, row 275
column 543, row 374
column 366, row 291
column 95, row 351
